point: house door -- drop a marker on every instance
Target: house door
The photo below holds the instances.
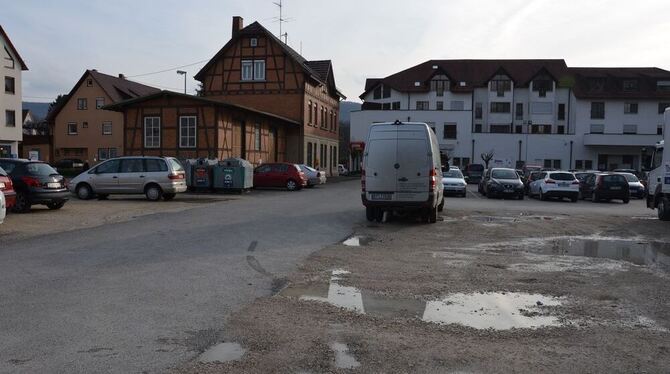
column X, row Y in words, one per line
column 602, row 162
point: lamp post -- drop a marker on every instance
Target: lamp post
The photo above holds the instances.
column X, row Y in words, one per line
column 182, row 72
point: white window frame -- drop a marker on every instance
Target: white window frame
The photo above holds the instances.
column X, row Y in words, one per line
column 152, row 141
column 259, row 70
column 187, row 140
column 104, row 124
column 247, row 70
column 253, row 42
column 99, row 102
column 75, row 132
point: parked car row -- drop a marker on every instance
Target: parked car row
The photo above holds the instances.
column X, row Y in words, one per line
column 34, row 183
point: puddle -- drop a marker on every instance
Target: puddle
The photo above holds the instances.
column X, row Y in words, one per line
column 223, row 352
column 500, row 220
column 500, row 311
column 343, row 359
column 357, row 241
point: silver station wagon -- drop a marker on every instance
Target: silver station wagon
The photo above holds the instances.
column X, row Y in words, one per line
column 156, row 177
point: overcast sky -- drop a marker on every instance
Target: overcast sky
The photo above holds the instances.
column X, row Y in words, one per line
column 60, row 39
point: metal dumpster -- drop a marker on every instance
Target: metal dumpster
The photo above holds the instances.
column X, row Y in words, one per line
column 234, row 174
column 199, row 174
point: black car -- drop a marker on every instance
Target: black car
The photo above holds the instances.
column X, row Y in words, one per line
column 35, row 183
column 605, row 186
column 502, row 182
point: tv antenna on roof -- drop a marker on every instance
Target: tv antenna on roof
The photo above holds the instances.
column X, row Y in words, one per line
column 281, row 20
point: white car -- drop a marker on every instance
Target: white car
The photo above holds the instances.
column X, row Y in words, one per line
column 454, row 182
column 341, row 170
column 3, row 207
column 551, row 184
column 314, row 177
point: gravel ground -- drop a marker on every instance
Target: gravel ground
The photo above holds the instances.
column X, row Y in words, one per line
column 372, row 315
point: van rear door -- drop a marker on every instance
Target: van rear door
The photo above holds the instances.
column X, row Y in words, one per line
column 414, row 162
column 380, row 157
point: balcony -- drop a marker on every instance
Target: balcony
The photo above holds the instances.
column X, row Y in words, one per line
column 631, row 140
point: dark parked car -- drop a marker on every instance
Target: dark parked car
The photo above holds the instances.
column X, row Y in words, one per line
column 35, row 182
column 637, row 189
column 502, row 182
column 7, row 187
column 605, row 186
column 280, row 175
column 474, row 172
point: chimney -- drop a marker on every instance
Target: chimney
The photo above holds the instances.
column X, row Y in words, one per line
column 122, row 76
column 238, row 24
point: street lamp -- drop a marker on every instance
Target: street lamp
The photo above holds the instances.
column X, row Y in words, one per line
column 181, row 72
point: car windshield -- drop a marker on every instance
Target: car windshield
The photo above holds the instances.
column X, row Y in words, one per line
column 631, row 178
column 504, row 174
column 562, row 176
column 39, row 168
column 453, row 174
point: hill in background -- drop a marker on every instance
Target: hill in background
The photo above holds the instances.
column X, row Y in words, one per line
column 39, row 110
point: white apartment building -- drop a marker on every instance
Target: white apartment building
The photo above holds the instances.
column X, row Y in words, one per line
column 11, row 67
column 537, row 112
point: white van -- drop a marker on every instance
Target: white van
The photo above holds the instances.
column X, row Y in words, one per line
column 402, row 171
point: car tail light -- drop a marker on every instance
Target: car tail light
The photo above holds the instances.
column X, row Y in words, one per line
column 433, row 179
column 31, row 181
column 175, row 176
column 363, row 180
column 550, row 181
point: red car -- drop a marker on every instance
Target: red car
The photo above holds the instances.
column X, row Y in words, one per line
column 280, row 175
column 7, row 188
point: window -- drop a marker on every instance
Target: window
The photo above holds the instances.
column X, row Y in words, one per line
column 316, row 117
column 500, row 84
column 659, row 130
column 561, row 112
column 662, row 107
column 187, row 131
column 309, row 109
column 72, row 128
column 630, row 108
column 9, row 85
column 519, row 111
column 478, row 110
column 99, row 102
column 386, row 106
column 597, row 110
column 377, row 93
column 500, row 107
column 257, row 136
column 9, row 60
column 259, row 70
column 478, row 128
column 540, row 107
column 597, row 129
column 439, row 84
column 457, row 105
column 555, row 164
column 84, row 125
column 89, row 82
column 107, row 128
column 518, row 129
column 247, row 70
column 309, row 154
column 450, row 130
column 132, row 165
column 596, row 84
column 579, row 164
column 152, row 132
column 560, row 129
column 82, row 104
column 253, row 42
column 112, row 152
column 10, row 118
column 501, row 129
column 386, row 91
column 631, row 85
column 540, row 129
column 422, row 105
column 109, row 167
column 630, row 129
column 155, row 164
column 103, row 154
column 542, row 84
column 396, row 105
column 439, row 105
column 663, row 86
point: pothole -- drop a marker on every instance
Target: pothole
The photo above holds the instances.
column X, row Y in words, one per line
column 223, row 352
column 492, row 310
column 357, row 241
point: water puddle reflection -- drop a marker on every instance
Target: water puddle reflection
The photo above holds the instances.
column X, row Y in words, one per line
column 222, row 352
column 343, row 359
column 357, row 241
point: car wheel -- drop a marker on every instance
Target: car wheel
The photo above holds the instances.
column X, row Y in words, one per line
column 169, row 196
column 574, row 199
column 370, row 213
column 441, row 206
column 153, row 192
column 542, row 196
column 626, row 201
column 22, row 204
column 521, row 196
column 664, row 209
column 432, row 217
column 291, row 185
column 56, row 206
column 84, row 191
column 379, row 215
column 594, row 197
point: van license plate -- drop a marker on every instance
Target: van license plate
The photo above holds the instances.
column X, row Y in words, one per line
column 53, row 185
column 380, row 196
column 562, row 184
column 615, row 188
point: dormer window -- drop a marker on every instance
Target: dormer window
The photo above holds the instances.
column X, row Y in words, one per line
column 501, row 84
column 439, row 84
column 631, row 85
column 596, row 84
column 542, row 84
column 663, row 86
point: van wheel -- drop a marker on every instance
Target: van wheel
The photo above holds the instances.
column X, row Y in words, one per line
column 84, row 191
column 432, row 217
column 369, row 213
column 664, row 209
column 379, row 215
column 441, row 206
column 291, row 185
column 153, row 192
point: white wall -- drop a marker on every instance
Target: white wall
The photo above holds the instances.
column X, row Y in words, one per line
column 10, row 135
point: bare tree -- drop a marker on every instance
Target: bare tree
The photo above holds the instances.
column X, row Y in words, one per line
column 487, row 157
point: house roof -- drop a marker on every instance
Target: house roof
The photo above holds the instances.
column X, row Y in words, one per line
column 118, row 89
column 13, row 49
column 119, row 106
column 475, row 73
column 318, row 70
column 612, row 82
column 24, row 114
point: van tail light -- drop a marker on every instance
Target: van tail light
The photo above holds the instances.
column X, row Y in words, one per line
column 550, row 181
column 175, row 176
column 363, row 180
column 31, row 181
column 433, row 179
